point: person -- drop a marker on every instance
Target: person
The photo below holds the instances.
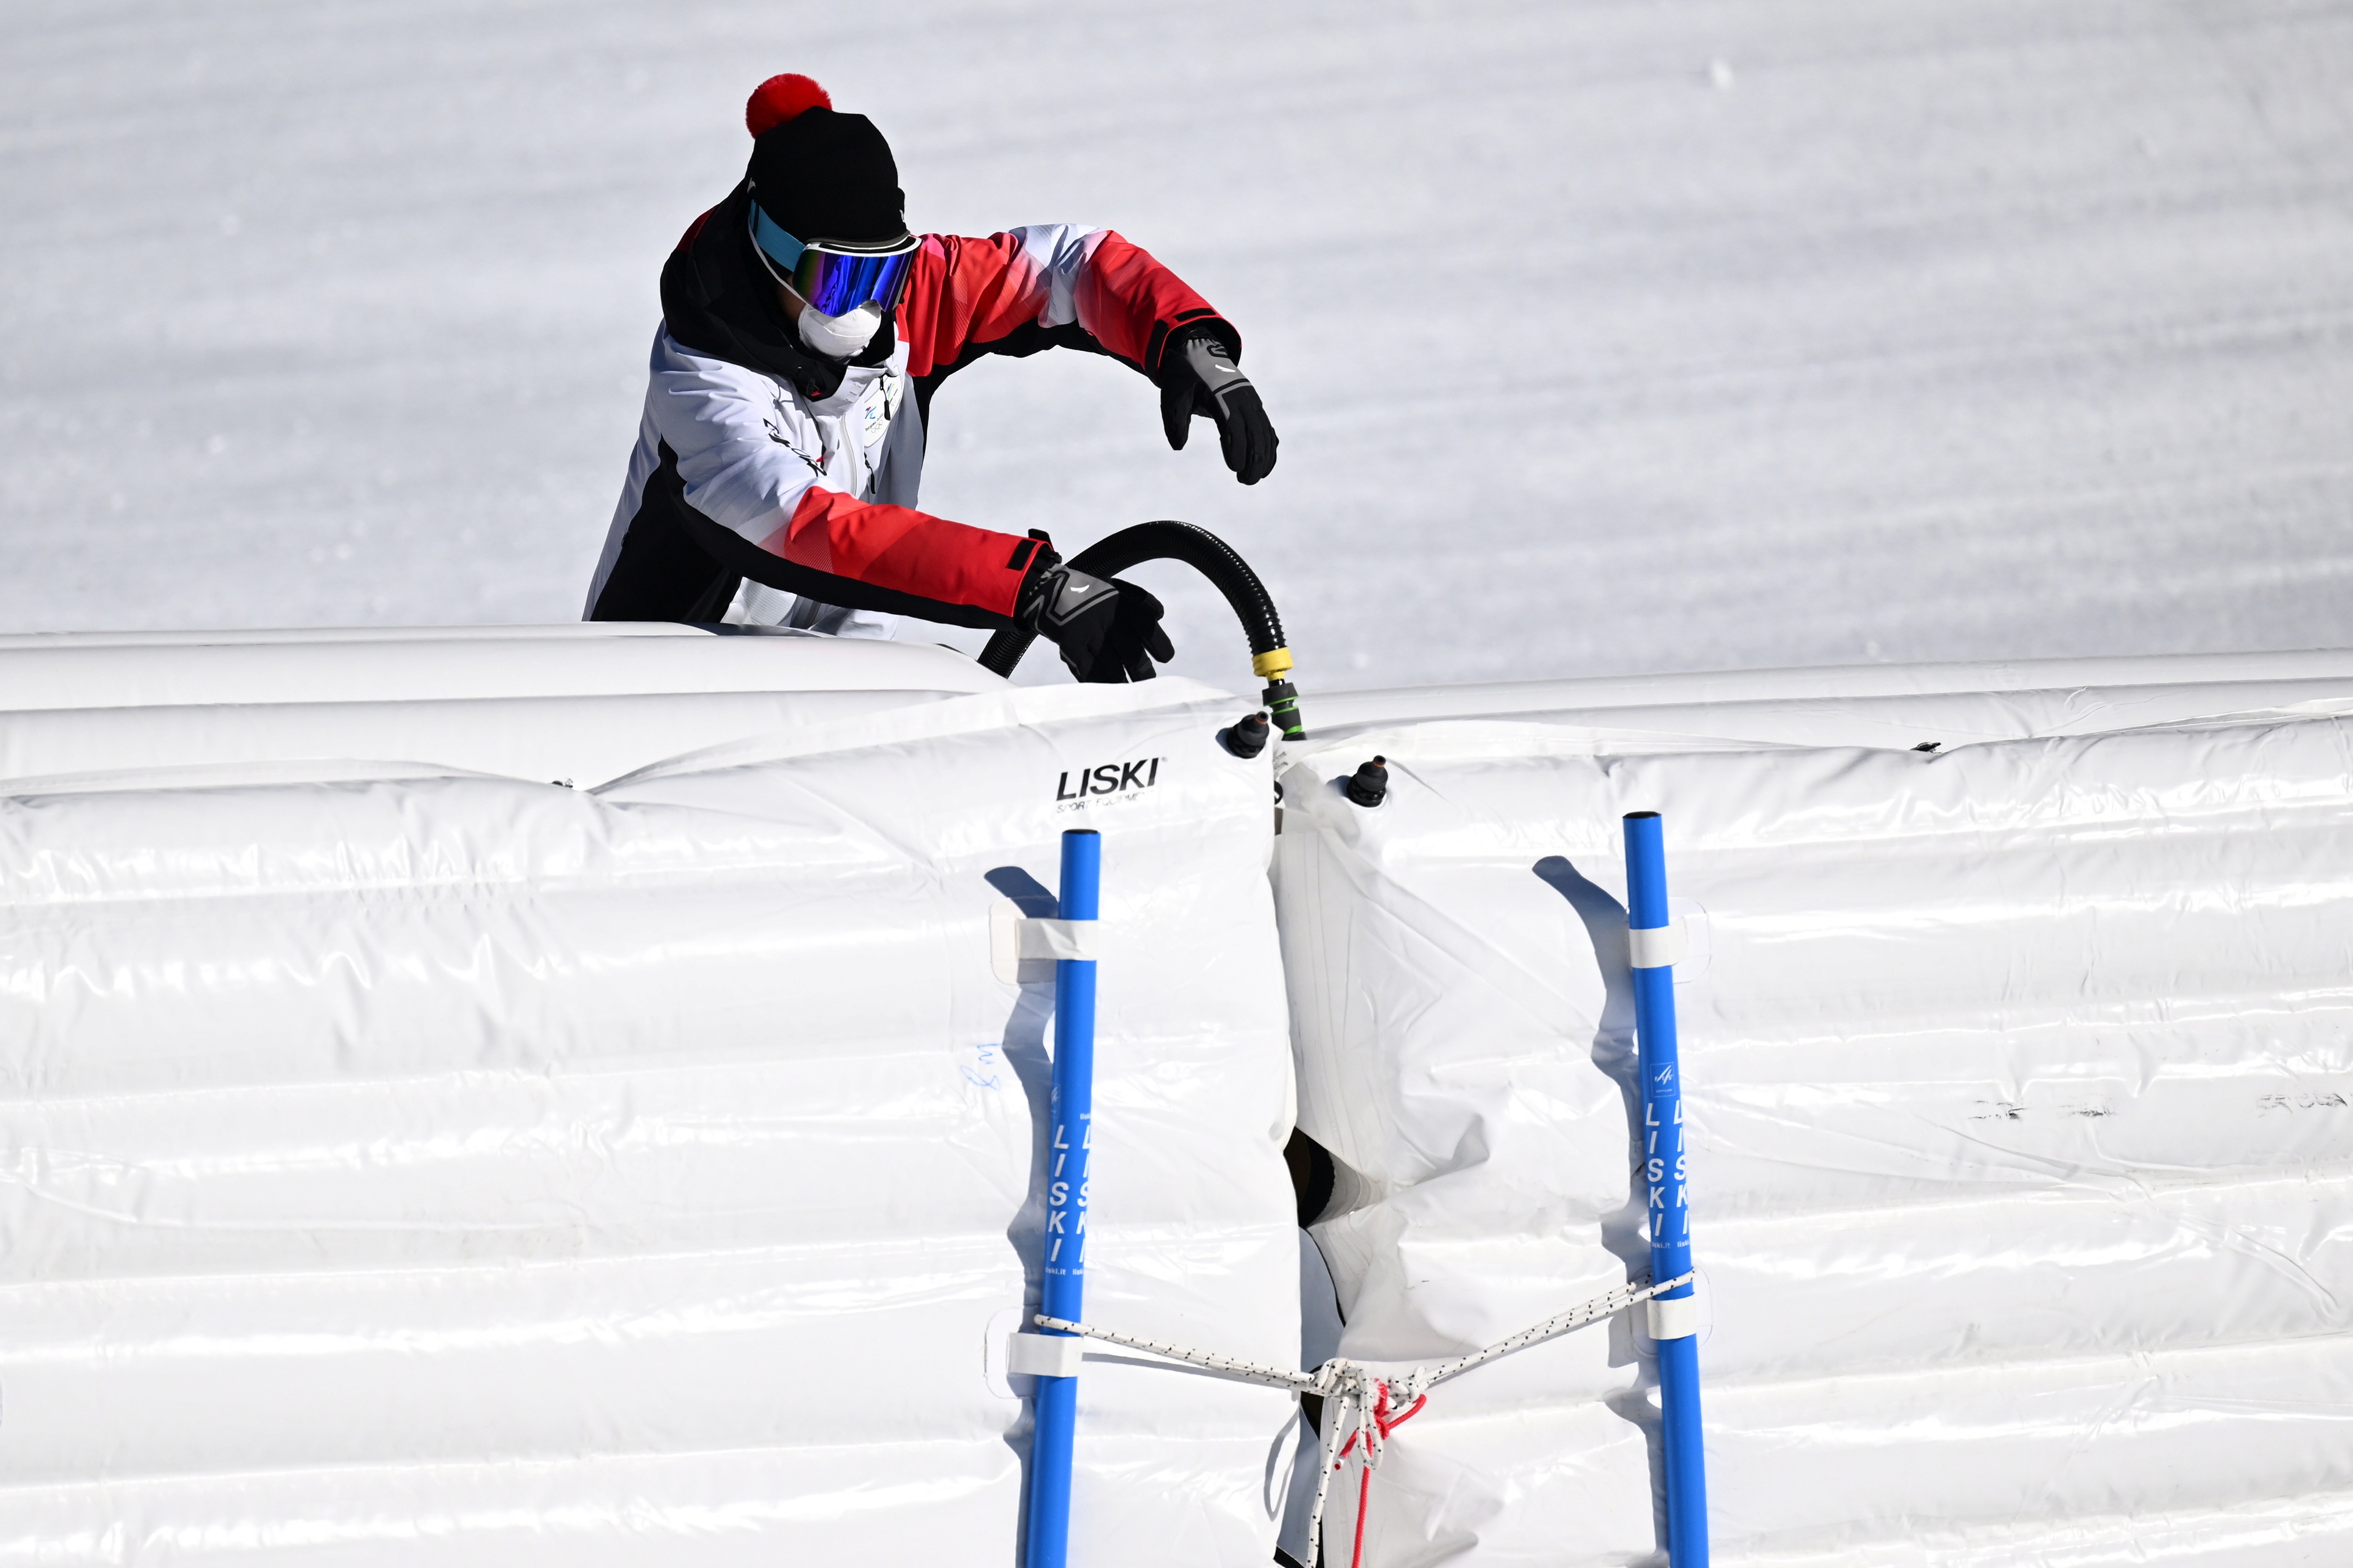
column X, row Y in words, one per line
column 804, row 333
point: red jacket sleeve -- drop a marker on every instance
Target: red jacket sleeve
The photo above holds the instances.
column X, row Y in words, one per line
column 900, row 550
column 964, row 294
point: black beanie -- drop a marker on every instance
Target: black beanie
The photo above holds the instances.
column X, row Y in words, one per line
column 821, row 174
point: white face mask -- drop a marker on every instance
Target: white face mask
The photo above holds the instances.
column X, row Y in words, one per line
column 839, row 337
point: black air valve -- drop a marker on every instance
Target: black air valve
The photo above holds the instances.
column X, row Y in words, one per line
column 1249, row 736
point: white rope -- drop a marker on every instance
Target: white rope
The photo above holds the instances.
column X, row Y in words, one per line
column 1324, row 1474
column 1369, row 1407
column 1245, row 1371
column 1593, row 1311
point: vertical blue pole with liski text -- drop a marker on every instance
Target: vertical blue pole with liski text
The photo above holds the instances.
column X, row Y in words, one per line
column 1674, row 1316
column 1070, row 1136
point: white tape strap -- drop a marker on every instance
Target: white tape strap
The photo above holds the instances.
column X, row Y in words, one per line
column 1656, row 947
column 1676, row 1320
column 1057, row 939
column 1024, row 951
column 1044, row 1355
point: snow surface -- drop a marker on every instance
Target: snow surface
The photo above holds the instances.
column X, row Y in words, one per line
column 1611, row 337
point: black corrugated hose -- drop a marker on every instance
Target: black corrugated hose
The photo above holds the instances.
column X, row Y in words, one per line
column 1226, row 572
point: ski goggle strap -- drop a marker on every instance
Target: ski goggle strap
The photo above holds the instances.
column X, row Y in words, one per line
column 834, row 279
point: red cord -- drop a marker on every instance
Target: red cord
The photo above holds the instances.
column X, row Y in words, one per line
column 1385, row 1424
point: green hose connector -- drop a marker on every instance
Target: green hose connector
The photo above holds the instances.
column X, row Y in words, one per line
column 1281, row 701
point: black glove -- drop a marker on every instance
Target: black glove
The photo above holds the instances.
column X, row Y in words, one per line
column 1198, row 376
column 1106, row 630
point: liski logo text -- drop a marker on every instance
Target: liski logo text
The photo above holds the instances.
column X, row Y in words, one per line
column 1110, row 778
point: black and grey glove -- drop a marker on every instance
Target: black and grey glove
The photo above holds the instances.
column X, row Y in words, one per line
column 1198, row 376
column 1106, row 630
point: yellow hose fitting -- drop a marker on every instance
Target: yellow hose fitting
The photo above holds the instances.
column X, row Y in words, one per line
column 1273, row 665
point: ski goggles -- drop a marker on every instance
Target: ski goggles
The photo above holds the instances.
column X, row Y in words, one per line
column 832, row 278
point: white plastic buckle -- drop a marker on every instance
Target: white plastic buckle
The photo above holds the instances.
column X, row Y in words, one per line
column 1023, row 952
column 1673, row 1320
column 1656, row 947
column 1044, row 1355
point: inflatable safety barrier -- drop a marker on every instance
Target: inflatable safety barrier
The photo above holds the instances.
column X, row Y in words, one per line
column 2018, row 1064
column 410, row 1159
column 582, row 1095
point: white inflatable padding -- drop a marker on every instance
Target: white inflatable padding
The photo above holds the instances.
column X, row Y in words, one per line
column 1899, row 707
column 2020, row 1087
column 543, row 631
column 580, row 741
column 581, row 708
column 97, row 673
column 460, row 1170
column 1723, row 688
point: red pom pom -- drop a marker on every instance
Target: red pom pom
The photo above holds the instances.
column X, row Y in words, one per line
column 781, row 98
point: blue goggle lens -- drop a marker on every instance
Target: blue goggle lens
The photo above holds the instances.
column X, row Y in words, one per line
column 833, row 281
column 838, row 284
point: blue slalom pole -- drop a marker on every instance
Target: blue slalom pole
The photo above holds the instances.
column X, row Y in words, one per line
column 1675, row 1327
column 1070, row 1121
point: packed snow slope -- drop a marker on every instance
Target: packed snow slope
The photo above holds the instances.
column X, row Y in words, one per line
column 1611, row 337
